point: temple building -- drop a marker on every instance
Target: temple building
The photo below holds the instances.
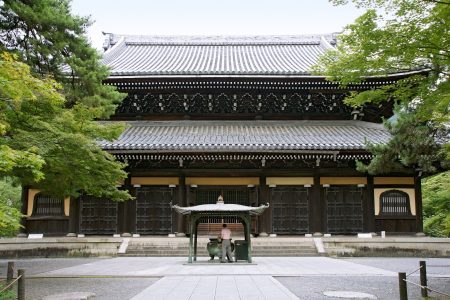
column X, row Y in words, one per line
column 245, row 118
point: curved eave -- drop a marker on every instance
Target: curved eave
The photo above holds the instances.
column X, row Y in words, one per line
column 238, row 150
column 246, row 136
column 212, row 75
column 305, row 75
column 219, row 209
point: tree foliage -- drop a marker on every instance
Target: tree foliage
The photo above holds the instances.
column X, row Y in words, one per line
column 52, row 41
column 436, row 205
column 414, row 144
column 51, row 95
column 396, row 36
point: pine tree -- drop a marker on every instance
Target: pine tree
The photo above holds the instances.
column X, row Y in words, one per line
column 49, row 110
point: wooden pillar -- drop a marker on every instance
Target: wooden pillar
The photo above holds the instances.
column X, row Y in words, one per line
column 264, row 219
column 317, row 214
column 182, row 201
column 128, row 211
column 131, row 208
column 121, row 217
column 419, row 212
column 247, row 219
column 74, row 216
column 195, row 239
column 370, row 206
column 191, row 237
column 23, row 211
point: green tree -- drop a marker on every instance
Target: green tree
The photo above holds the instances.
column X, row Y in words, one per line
column 61, row 142
column 52, row 41
column 9, row 207
column 414, row 144
column 51, row 96
column 400, row 36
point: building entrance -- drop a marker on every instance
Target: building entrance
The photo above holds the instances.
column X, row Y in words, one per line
column 97, row 215
column 344, row 209
column 153, row 210
column 231, row 195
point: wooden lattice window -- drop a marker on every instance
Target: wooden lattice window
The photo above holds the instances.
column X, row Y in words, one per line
column 394, row 203
column 45, row 205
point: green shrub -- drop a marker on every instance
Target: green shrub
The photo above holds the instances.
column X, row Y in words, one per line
column 7, row 295
column 9, row 208
column 436, row 205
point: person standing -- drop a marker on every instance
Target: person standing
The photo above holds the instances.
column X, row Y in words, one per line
column 225, row 235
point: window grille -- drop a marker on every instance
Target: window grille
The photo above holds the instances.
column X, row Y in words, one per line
column 45, row 205
column 394, row 203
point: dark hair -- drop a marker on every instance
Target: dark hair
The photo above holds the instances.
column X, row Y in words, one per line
column 224, row 225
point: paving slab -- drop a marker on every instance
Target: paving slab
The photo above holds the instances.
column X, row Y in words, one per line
column 216, row 287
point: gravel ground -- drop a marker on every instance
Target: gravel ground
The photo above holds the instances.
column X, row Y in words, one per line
column 35, row 266
column 382, row 287
column 104, row 288
column 435, row 266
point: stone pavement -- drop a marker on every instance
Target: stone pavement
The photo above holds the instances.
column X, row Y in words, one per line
column 212, row 280
column 176, row 266
column 216, row 287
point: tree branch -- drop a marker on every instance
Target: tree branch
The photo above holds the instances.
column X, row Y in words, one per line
column 437, row 2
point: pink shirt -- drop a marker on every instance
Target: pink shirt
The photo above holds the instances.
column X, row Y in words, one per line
column 225, row 234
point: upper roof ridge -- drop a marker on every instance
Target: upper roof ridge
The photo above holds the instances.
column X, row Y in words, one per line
column 112, row 39
column 138, row 55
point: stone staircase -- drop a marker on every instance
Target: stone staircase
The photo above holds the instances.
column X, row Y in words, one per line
column 281, row 246
column 164, row 246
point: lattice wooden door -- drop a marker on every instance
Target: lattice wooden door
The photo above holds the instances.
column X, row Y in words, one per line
column 290, row 214
column 97, row 215
column 344, row 209
column 153, row 211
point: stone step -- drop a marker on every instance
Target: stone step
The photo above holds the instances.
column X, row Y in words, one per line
column 268, row 247
column 204, row 246
column 204, row 253
column 185, row 254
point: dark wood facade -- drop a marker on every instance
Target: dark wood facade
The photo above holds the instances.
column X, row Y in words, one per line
column 311, row 184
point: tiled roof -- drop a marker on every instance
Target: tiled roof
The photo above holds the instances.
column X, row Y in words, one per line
column 222, row 55
column 246, row 136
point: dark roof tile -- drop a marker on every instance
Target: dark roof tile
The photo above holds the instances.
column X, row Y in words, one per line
column 220, row 55
column 242, row 136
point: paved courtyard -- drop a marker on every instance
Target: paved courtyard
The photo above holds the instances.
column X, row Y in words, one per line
column 267, row 278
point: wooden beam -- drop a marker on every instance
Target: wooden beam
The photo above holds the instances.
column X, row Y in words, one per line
column 289, row 180
column 343, row 180
column 154, row 180
column 222, row 180
column 393, row 180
